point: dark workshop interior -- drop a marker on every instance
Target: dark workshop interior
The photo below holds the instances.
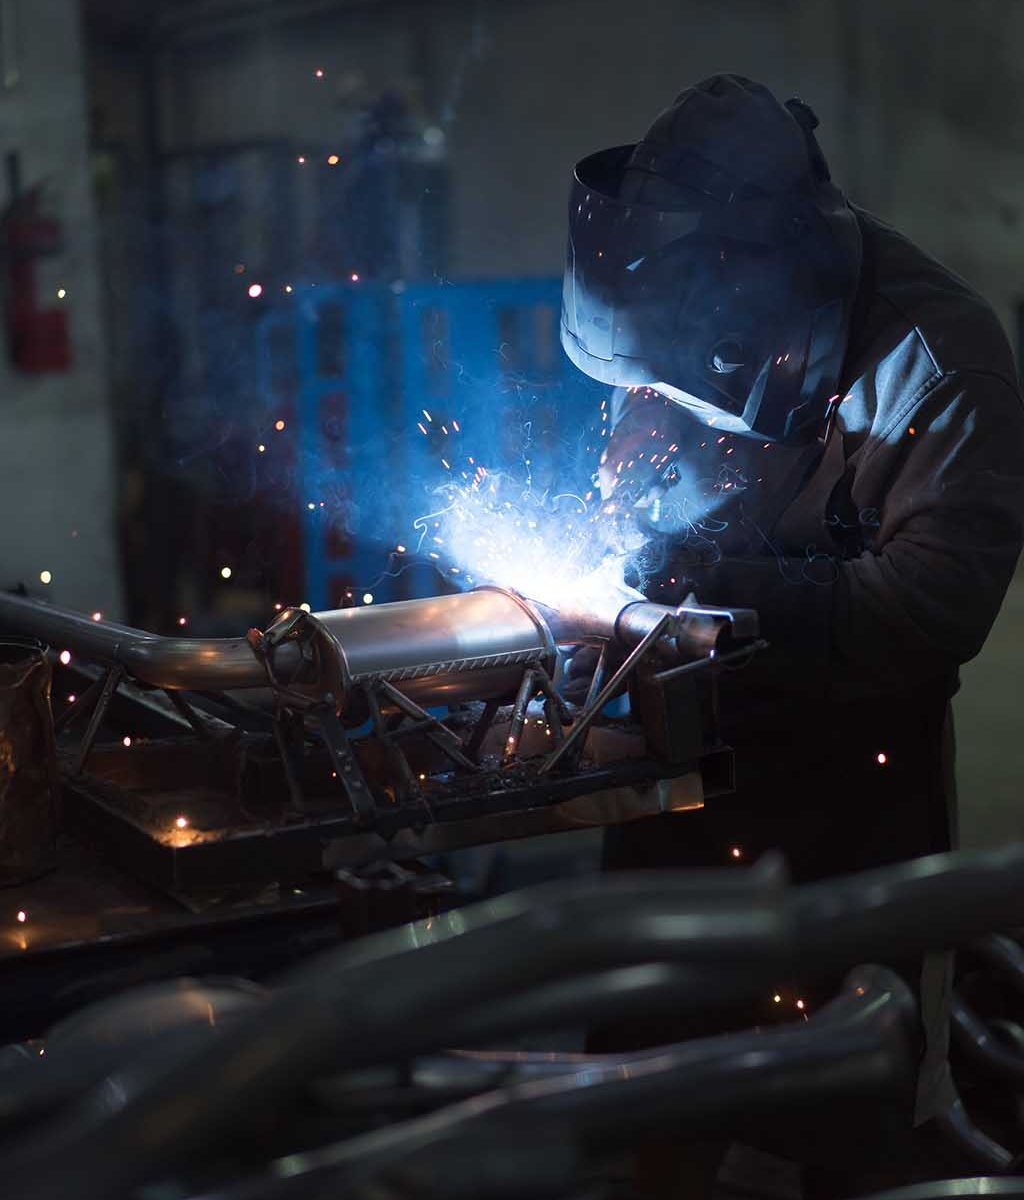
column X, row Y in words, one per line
column 510, row 626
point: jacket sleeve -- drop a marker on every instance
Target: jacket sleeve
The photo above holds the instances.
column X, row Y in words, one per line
column 923, row 601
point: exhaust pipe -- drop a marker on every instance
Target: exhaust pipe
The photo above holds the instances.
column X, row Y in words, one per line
column 446, row 649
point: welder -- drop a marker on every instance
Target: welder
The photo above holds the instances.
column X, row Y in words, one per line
column 813, row 418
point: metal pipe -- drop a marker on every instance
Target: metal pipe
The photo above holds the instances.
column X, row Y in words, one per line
column 450, row 649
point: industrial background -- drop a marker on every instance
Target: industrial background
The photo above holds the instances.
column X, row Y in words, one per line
column 188, row 396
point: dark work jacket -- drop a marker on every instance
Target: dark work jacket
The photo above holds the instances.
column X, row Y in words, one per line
column 877, row 562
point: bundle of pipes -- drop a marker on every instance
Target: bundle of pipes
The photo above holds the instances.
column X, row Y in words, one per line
column 448, row 649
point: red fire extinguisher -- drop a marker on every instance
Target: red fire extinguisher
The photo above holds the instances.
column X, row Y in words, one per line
column 38, row 338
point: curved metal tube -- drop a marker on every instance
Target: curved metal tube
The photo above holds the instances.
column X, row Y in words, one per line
column 196, row 664
column 982, row 1048
column 860, row 1046
column 1007, row 1187
column 351, row 1007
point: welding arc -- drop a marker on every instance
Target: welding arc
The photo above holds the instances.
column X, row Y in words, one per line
column 351, row 1006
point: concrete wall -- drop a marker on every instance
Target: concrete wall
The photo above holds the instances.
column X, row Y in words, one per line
column 921, row 106
column 56, row 448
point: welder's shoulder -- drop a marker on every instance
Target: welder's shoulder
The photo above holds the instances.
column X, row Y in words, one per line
column 928, row 320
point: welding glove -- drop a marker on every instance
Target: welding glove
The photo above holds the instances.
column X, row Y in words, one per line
column 579, row 672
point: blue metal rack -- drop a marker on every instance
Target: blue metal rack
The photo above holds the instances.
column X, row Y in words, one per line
column 478, row 366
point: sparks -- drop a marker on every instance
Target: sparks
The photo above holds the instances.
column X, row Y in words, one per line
column 367, row 597
column 182, row 620
column 65, row 657
column 881, row 758
column 126, row 742
column 255, row 290
column 225, row 572
column 333, row 160
column 544, row 547
column 181, row 822
column 97, row 616
column 45, row 577
column 22, row 916
column 279, row 425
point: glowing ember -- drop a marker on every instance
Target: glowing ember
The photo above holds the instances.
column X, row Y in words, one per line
column 61, row 293
column 22, row 916
column 736, row 852
column 97, row 616
column 777, row 998
column 182, row 620
column 181, row 822
column 255, row 290
column 319, row 73
column 354, row 277
column 800, row 1005
column 225, row 572
column 333, row 160
column 367, row 597
column 279, row 425
column 65, row 657
column 261, row 448
column 881, row 759
column 72, row 698
column 305, row 607
column 126, row 742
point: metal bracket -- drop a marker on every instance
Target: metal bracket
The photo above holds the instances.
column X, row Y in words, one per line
column 535, row 681
column 346, row 765
column 586, row 717
column 109, row 686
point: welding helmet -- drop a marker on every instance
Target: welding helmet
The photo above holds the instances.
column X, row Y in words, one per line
column 716, row 263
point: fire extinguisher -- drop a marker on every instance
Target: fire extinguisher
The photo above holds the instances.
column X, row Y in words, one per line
column 38, row 338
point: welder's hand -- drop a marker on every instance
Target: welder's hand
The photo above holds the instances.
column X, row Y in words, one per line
column 579, row 671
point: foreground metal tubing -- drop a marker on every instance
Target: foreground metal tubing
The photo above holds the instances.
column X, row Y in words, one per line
column 862, row 1047
column 398, row 994
column 453, row 648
